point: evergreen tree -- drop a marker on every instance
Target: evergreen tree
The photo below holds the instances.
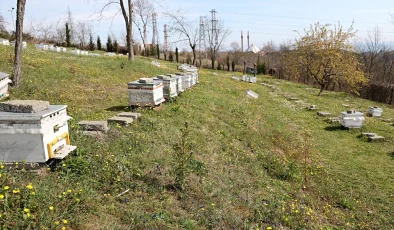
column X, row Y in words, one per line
column 116, row 47
column 68, row 36
column 176, row 55
column 98, row 43
column 91, row 44
column 158, row 51
column 109, row 44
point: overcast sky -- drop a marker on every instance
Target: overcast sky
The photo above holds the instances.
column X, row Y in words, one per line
column 265, row 20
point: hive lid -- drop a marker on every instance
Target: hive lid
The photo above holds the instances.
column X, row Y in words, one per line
column 24, row 106
column 3, row 75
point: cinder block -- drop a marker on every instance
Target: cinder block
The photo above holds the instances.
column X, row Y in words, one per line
column 135, row 116
column 120, row 120
column 101, row 126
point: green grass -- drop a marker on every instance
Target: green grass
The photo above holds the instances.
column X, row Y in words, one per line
column 269, row 162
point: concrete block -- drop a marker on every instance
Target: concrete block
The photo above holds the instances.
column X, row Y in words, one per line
column 375, row 138
column 92, row 133
column 312, row 107
column 135, row 116
column 250, row 94
column 24, row 106
column 368, row 134
column 293, row 99
column 120, row 120
column 101, row 126
column 323, row 114
column 333, row 120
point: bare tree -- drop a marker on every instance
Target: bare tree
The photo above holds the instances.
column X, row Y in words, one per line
column 236, row 51
column 2, row 23
column 370, row 50
column 141, row 17
column 127, row 13
column 20, row 13
column 215, row 36
column 60, row 32
column 45, row 31
column 188, row 30
column 82, row 33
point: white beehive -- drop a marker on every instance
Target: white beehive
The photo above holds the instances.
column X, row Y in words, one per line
column 186, row 80
column 41, row 46
column 35, row 137
column 179, row 88
column 351, row 119
column 169, row 86
column 84, row 52
column 109, row 54
column 249, row 79
column 24, row 44
column 5, row 42
column 375, row 111
column 145, row 92
column 75, row 51
column 4, row 81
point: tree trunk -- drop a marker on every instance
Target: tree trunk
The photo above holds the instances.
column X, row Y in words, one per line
column 194, row 55
column 322, row 86
column 129, row 32
column 16, row 74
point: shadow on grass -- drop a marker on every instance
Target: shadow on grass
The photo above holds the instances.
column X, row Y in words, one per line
column 334, row 128
column 119, row 108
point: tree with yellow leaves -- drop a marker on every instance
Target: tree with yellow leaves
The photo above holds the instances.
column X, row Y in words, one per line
column 326, row 54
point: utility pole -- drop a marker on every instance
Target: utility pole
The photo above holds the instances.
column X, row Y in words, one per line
column 201, row 44
column 214, row 29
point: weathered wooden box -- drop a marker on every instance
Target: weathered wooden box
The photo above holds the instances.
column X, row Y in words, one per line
column 35, row 137
column 375, row 111
column 169, row 86
column 351, row 119
column 4, row 81
column 145, row 92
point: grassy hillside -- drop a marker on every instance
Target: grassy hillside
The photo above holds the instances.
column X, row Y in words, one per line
column 263, row 163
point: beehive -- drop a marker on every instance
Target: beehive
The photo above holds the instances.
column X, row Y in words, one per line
column 169, row 86
column 186, row 80
column 179, row 88
column 145, row 92
column 375, row 111
column 351, row 119
column 33, row 132
column 4, row 81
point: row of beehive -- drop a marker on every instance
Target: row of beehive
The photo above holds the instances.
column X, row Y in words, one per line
column 149, row 92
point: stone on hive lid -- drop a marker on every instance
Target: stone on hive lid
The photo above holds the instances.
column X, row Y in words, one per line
column 145, row 80
column 24, row 106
